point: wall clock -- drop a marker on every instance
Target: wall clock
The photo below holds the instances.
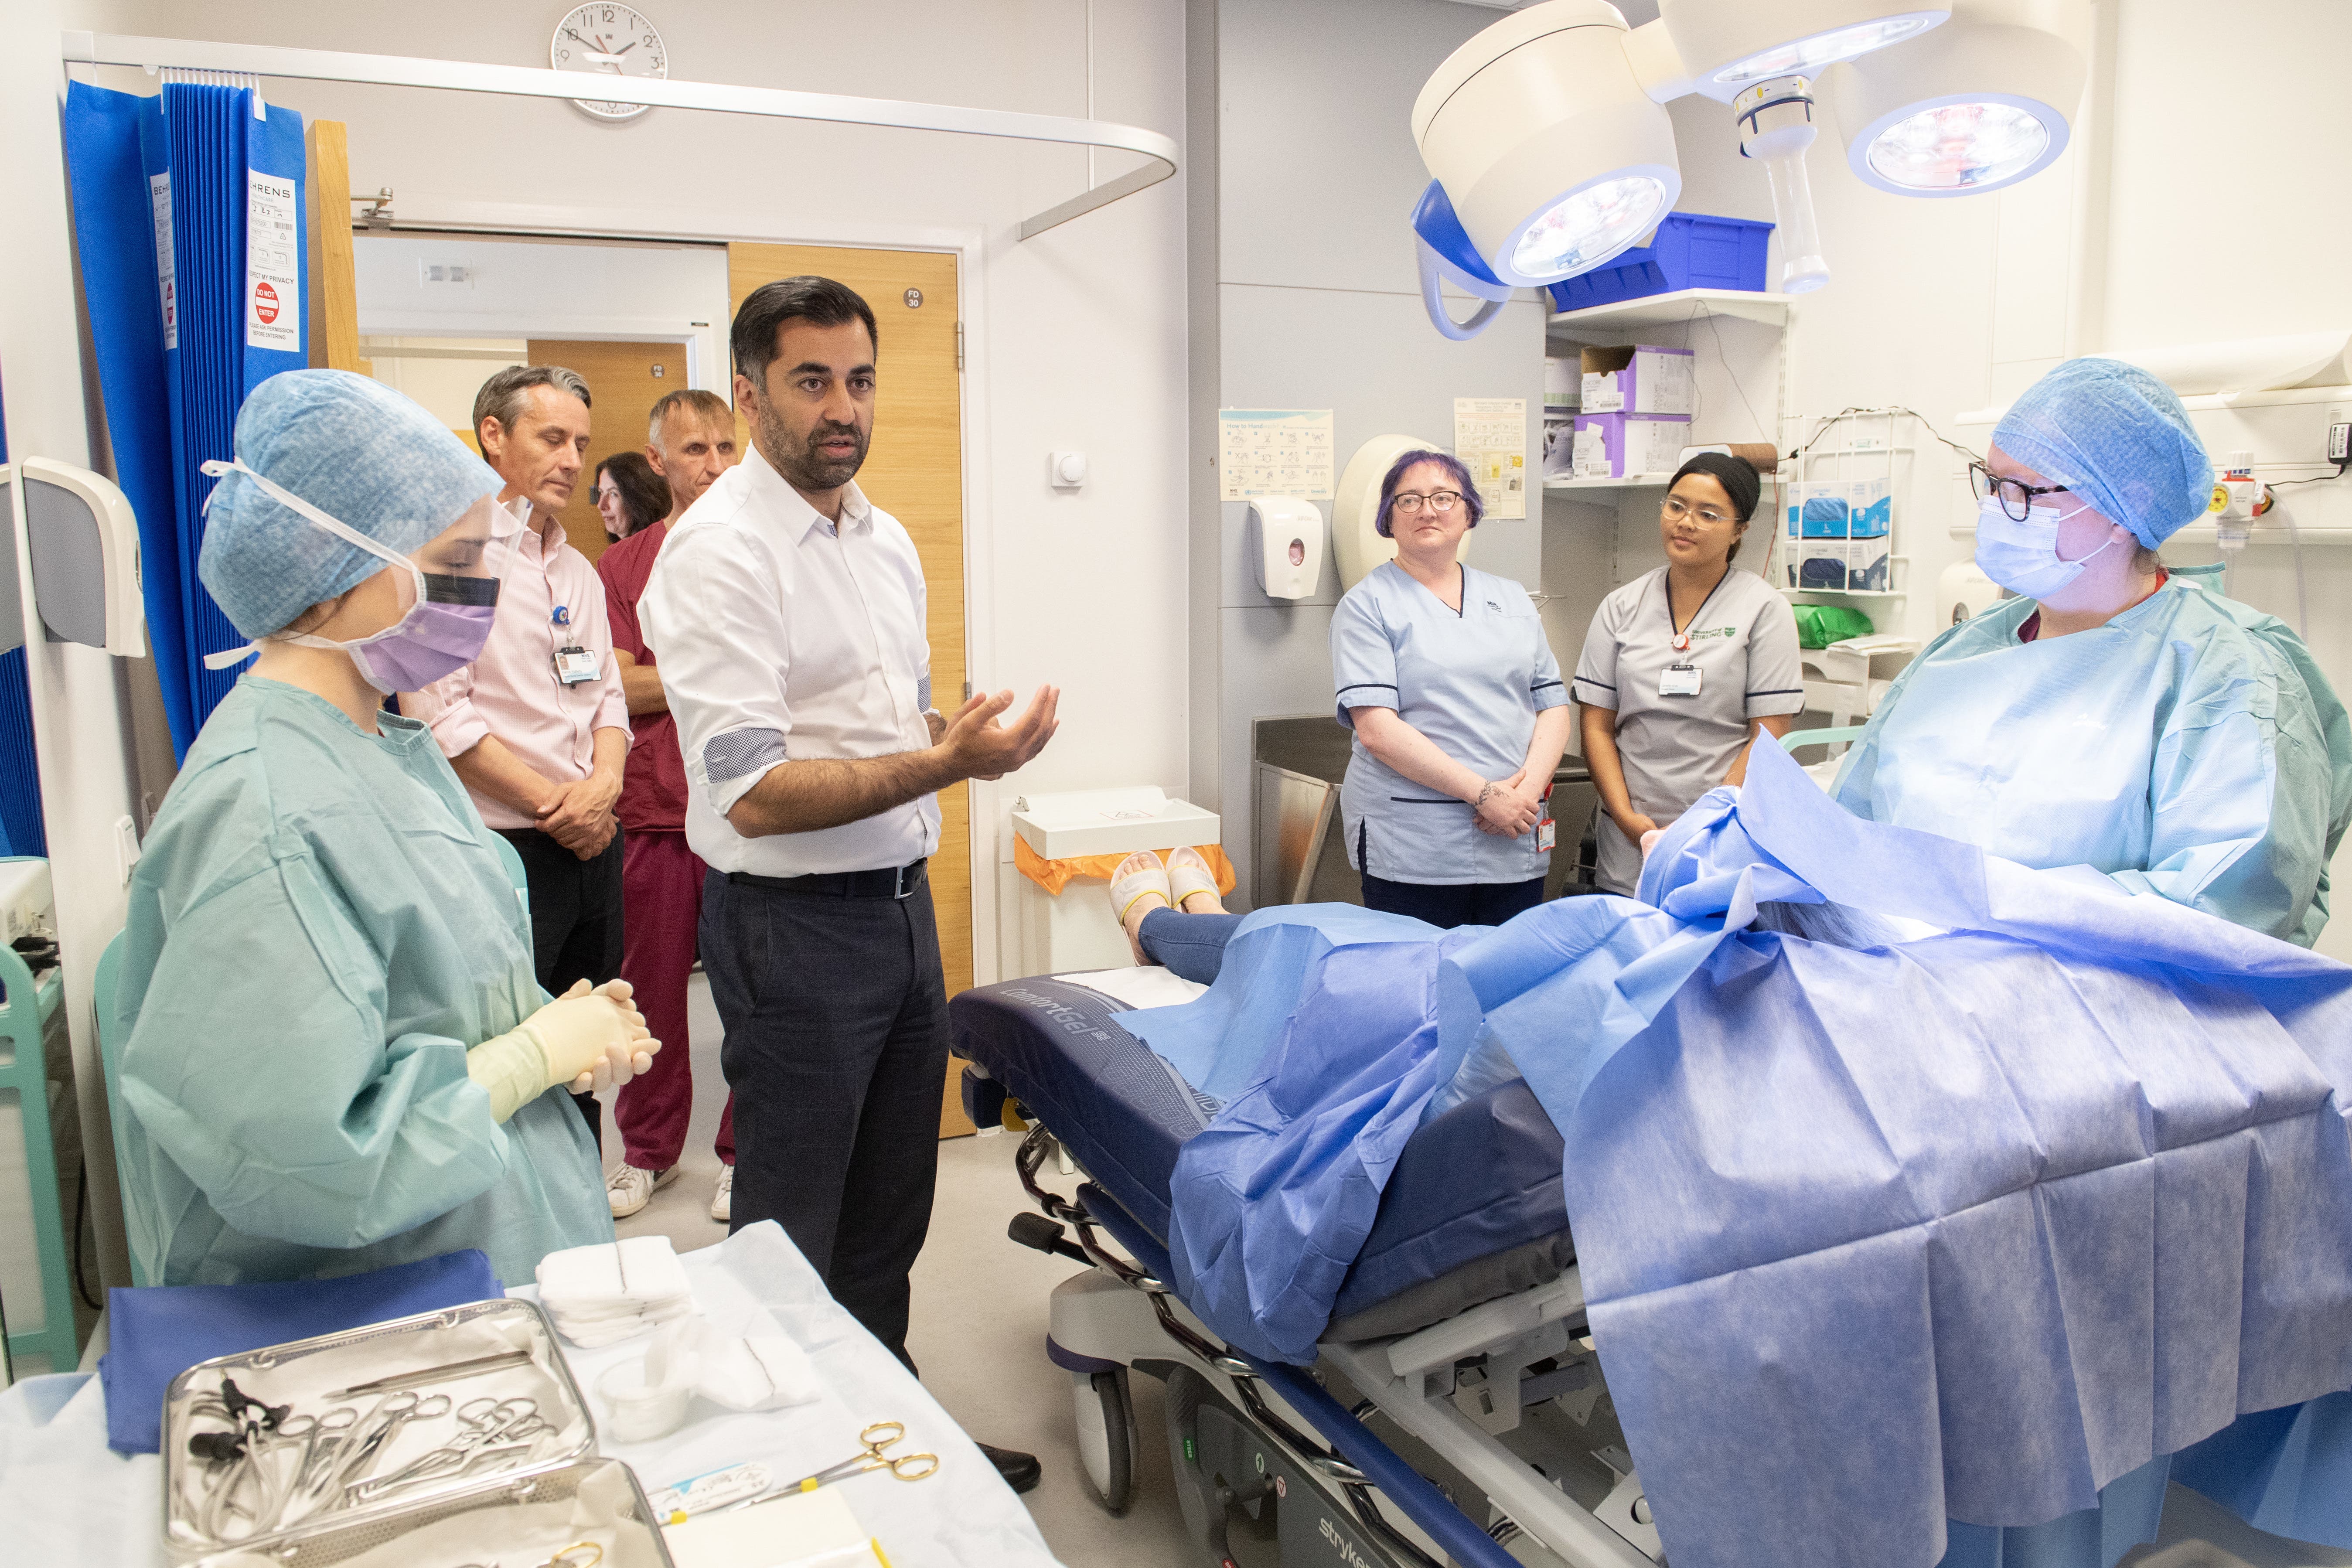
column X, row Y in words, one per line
column 612, row 41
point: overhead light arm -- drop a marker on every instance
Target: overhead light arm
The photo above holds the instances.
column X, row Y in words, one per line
column 778, row 103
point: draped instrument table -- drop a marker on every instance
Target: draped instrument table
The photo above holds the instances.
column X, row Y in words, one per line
column 67, row 1500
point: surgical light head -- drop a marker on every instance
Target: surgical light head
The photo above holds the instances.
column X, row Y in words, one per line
column 1551, row 153
column 1986, row 105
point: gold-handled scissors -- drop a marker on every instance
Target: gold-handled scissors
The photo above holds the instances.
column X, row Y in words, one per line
column 877, row 1437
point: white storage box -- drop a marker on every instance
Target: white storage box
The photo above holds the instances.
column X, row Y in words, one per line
column 1075, row 929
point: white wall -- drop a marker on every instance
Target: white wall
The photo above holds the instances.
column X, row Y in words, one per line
column 1318, row 305
column 1075, row 339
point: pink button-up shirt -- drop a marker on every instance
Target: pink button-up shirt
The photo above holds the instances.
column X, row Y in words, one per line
column 511, row 691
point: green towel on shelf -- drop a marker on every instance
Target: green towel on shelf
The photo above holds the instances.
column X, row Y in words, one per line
column 1818, row 626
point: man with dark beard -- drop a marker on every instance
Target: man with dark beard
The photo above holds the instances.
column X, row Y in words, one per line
column 788, row 614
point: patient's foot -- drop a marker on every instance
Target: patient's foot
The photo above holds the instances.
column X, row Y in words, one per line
column 1191, row 884
column 1139, row 885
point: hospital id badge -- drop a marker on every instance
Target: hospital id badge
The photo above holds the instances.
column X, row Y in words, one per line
column 574, row 665
column 1545, row 835
column 1678, row 681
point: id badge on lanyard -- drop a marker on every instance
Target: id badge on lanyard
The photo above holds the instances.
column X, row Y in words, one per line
column 1678, row 679
column 573, row 663
column 1546, row 833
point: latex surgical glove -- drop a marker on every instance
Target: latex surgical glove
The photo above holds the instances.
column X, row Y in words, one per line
column 582, row 1039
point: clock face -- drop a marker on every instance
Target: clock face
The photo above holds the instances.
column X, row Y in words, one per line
column 609, row 40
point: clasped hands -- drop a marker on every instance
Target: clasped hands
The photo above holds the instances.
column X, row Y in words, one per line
column 594, row 1038
column 1511, row 809
column 579, row 815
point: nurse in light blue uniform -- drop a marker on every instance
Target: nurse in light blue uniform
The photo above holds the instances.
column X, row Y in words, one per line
column 1459, row 712
column 2111, row 717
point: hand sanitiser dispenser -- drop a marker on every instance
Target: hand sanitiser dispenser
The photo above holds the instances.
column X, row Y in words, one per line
column 1286, row 541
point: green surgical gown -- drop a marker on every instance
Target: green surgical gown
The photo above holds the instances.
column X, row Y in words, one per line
column 2190, row 747
column 319, row 927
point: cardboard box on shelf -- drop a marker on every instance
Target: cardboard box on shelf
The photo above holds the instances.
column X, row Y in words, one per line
column 1619, row 446
column 1643, row 379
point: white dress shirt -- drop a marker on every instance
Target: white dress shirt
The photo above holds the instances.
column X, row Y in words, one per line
column 782, row 636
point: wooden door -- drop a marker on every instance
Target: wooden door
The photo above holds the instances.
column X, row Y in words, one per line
column 914, row 471
column 625, row 381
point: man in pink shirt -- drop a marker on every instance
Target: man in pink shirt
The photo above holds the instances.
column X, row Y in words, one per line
column 690, row 443
column 538, row 727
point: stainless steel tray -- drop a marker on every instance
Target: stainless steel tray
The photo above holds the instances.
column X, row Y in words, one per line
column 313, row 1377
column 604, row 1492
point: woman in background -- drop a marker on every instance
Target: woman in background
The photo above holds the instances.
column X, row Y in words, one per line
column 1459, row 712
column 1682, row 668
column 629, row 495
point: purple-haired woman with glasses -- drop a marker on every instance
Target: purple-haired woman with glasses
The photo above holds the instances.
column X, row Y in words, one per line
column 1459, row 711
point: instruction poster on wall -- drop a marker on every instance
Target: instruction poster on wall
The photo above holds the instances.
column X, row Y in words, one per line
column 1274, row 452
column 1490, row 436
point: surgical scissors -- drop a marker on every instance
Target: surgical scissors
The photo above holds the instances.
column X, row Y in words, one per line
column 392, row 1411
column 491, row 1425
column 877, row 1437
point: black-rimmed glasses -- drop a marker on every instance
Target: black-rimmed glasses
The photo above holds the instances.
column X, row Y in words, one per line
column 2016, row 495
column 1440, row 501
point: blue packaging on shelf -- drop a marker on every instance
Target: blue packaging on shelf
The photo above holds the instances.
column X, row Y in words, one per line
column 1690, row 250
column 1841, row 508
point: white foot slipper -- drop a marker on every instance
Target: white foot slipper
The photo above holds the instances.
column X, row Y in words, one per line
column 1188, row 873
column 1139, row 874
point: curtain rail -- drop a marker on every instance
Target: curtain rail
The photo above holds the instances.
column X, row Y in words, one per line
column 531, row 81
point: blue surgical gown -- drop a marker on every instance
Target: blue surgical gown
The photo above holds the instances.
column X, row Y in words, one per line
column 319, row 929
column 2191, row 747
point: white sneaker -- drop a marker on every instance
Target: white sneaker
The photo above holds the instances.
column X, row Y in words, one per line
column 630, row 1189
column 722, row 1201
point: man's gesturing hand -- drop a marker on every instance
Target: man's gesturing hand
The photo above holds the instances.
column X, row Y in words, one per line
column 979, row 747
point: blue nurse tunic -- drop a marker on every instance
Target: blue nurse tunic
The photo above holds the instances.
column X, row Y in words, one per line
column 1473, row 681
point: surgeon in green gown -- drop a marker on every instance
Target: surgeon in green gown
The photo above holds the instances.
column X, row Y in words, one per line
column 2111, row 717
column 338, row 1057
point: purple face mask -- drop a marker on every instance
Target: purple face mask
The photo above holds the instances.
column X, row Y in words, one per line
column 431, row 641
column 443, row 630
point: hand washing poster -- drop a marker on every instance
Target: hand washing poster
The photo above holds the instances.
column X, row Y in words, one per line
column 1490, row 436
column 1274, row 452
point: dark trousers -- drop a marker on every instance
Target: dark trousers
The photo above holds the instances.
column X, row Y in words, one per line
column 1451, row 904
column 836, row 1050
column 575, row 923
column 1192, row 947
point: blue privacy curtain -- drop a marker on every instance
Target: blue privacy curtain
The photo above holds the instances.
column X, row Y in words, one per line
column 21, row 832
column 188, row 213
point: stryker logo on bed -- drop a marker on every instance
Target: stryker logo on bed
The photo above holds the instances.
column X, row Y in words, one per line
column 1340, row 1543
column 1066, row 1018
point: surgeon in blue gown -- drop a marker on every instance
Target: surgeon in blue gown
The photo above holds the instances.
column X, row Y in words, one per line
column 2110, row 716
column 337, row 1058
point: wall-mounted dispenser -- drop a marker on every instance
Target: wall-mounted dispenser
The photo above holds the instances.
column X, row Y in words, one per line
column 1285, row 540
column 84, row 545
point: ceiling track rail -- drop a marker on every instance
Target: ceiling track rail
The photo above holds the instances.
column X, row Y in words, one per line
column 775, row 103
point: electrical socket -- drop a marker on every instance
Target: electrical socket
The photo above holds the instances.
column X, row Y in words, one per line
column 2339, row 438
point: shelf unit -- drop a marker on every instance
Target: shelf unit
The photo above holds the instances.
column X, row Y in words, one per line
column 1677, row 309
column 1559, row 485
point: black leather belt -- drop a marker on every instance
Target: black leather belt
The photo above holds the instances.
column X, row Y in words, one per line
column 890, row 882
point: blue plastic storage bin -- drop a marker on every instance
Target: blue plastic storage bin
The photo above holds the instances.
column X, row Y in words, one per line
column 1690, row 250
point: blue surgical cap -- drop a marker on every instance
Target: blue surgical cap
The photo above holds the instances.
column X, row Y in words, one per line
column 2118, row 438
column 358, row 451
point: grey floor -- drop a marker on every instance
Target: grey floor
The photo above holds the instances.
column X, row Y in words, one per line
column 979, row 1335
column 979, row 1331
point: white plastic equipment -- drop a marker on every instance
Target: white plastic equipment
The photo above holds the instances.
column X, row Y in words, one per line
column 1286, row 541
column 1848, row 680
column 1073, row 930
column 83, row 543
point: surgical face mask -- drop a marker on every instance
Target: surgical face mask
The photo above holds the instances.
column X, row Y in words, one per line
column 2023, row 557
column 450, row 608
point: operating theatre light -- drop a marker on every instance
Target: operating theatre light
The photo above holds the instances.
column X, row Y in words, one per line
column 1986, row 107
column 1550, row 151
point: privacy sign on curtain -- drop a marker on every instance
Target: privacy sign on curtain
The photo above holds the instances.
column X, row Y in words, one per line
column 189, row 211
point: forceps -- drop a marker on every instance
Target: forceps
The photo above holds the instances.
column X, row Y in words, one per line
column 491, row 1427
column 392, row 1412
column 877, row 1437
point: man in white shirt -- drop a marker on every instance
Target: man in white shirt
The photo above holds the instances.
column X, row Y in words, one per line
column 788, row 616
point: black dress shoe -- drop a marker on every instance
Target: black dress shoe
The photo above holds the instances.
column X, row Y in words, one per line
column 1021, row 1471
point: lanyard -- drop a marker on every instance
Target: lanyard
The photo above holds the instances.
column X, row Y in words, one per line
column 1681, row 635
